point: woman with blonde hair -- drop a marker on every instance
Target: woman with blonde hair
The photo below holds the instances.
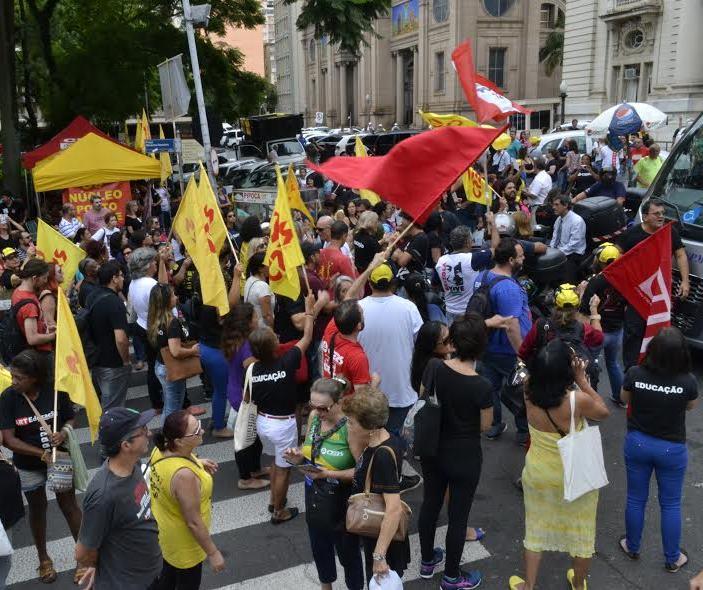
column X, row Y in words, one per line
column 523, row 225
column 366, row 244
column 132, row 222
column 164, row 330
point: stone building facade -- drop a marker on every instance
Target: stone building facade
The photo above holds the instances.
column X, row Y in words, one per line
column 408, row 65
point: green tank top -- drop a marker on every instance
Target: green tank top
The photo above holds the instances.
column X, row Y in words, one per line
column 333, row 453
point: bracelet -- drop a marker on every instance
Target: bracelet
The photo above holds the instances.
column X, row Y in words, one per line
column 378, row 557
column 595, row 316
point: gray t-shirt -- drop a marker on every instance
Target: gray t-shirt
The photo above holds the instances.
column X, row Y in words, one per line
column 117, row 522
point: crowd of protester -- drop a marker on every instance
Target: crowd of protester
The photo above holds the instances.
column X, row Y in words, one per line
column 379, row 322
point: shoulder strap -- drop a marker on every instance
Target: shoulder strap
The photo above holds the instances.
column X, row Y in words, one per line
column 497, row 279
column 152, row 465
column 367, row 483
column 332, row 341
column 98, row 299
column 559, row 430
column 21, row 303
column 40, row 418
column 247, row 383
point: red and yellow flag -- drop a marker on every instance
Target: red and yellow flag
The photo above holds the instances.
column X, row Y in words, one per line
column 283, row 254
column 184, row 221
column 71, row 369
column 360, row 152
column 53, row 247
column 294, row 197
column 475, row 188
column 434, row 120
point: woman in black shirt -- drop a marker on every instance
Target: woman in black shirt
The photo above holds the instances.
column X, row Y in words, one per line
column 660, row 391
column 367, row 414
column 466, row 401
column 273, row 389
column 366, row 244
column 32, row 446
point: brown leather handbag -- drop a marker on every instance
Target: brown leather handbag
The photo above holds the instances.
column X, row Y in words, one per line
column 366, row 511
column 177, row 369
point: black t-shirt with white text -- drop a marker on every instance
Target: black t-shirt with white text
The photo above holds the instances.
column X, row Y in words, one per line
column 633, row 236
column 366, row 247
column 273, row 385
column 611, row 307
column 17, row 415
column 419, row 247
column 658, row 402
column 176, row 329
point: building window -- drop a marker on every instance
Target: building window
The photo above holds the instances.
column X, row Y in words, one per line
column 496, row 65
column 634, row 39
column 546, row 16
column 440, row 10
column 631, row 82
column 517, row 121
column 439, row 71
column 540, row 119
column 311, row 51
column 498, row 7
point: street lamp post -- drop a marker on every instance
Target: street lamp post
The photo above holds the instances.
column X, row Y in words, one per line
column 563, row 93
column 368, row 110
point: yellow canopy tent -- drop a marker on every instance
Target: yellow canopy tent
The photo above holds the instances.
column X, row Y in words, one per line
column 93, row 160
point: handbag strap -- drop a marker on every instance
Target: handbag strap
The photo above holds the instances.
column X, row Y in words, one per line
column 559, row 430
column 43, row 423
column 247, row 383
column 572, row 402
column 367, row 483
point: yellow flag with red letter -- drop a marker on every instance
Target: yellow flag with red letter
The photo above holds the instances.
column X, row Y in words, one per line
column 475, row 188
column 294, row 197
column 71, row 372
column 184, row 221
column 53, row 247
column 360, row 152
column 434, row 120
column 283, row 254
column 165, row 158
column 207, row 203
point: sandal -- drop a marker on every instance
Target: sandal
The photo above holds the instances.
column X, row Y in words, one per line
column 570, row 577
column 622, row 543
column 290, row 514
column 265, row 472
column 514, row 582
column 480, row 534
column 47, row 573
column 80, row 572
column 676, row 566
column 285, row 503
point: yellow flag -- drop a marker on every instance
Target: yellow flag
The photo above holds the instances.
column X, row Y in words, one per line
column 5, row 378
column 126, row 134
column 165, row 157
column 208, row 205
column 283, row 254
column 475, row 188
column 434, row 120
column 184, row 221
column 53, row 247
column 71, row 368
column 294, row 198
column 143, row 133
column 360, row 152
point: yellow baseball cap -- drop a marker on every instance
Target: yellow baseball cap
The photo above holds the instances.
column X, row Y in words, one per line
column 381, row 273
column 534, row 140
column 607, row 253
column 8, row 252
column 566, row 296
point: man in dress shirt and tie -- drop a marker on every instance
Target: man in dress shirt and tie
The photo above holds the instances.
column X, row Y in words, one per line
column 569, row 236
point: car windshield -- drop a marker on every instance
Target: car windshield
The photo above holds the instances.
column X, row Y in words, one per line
column 287, row 148
column 681, row 178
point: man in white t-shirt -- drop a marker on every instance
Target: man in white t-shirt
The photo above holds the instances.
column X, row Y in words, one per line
column 609, row 158
column 541, row 184
column 165, row 205
column 455, row 273
column 388, row 339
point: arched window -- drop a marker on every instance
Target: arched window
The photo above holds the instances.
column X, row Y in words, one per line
column 440, row 10
column 498, row 7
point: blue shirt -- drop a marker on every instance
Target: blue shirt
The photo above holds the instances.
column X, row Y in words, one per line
column 569, row 234
column 514, row 148
column 614, row 191
column 508, row 299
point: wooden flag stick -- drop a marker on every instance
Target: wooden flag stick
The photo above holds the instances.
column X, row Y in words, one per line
column 231, row 245
column 56, row 415
column 400, row 236
column 305, row 276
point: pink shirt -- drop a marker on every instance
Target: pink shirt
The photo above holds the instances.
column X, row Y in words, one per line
column 93, row 220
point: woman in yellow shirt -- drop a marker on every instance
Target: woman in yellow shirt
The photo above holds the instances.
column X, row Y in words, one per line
column 181, row 500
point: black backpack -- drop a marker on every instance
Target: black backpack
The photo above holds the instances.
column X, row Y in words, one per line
column 481, row 301
column 12, row 339
column 83, row 324
column 572, row 337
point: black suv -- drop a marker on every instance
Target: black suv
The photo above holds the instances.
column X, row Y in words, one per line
column 379, row 144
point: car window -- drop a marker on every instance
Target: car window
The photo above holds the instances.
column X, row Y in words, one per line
column 551, row 145
column 287, row 148
column 384, row 144
column 249, row 151
column 581, row 141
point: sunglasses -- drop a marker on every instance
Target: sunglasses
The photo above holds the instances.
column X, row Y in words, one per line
column 198, row 431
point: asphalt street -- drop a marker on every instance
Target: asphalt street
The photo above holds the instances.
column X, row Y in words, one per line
column 260, row 555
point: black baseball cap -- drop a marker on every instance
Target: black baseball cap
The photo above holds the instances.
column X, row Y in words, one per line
column 118, row 423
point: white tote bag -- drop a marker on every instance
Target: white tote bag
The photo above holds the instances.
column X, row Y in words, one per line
column 245, row 426
column 582, row 458
column 390, row 581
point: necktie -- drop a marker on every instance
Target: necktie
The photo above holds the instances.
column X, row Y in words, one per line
column 560, row 221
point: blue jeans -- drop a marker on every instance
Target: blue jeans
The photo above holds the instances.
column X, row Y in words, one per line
column 612, row 347
column 497, row 368
column 174, row 391
column 668, row 460
column 215, row 365
column 113, row 383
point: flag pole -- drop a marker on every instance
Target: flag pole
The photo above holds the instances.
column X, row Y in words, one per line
column 400, row 236
column 231, row 245
column 305, row 276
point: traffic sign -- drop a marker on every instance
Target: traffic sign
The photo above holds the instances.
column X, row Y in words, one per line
column 319, row 118
column 152, row 146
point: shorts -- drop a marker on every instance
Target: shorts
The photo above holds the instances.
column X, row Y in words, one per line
column 281, row 434
column 31, row 480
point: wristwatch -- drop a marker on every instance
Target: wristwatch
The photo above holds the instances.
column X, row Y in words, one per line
column 378, row 557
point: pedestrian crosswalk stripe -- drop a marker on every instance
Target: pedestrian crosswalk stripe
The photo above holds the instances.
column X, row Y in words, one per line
column 304, row 576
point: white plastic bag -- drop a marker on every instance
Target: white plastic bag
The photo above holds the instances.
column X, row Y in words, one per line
column 391, row 581
column 582, row 459
column 245, row 426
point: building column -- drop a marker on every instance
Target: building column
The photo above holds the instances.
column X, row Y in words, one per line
column 416, row 85
column 343, row 101
column 398, row 87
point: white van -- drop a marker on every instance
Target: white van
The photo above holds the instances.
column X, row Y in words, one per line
column 553, row 141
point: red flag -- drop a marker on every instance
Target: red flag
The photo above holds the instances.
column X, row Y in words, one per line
column 643, row 277
column 483, row 96
column 415, row 173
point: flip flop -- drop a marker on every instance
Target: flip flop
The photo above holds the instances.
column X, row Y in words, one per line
column 570, row 577
column 292, row 513
column 675, row 567
column 480, row 534
column 622, row 543
column 47, row 573
column 515, row 582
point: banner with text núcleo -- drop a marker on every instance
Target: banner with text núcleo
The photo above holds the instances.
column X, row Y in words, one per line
column 115, row 196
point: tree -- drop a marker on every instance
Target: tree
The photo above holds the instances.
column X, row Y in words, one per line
column 8, row 100
column 347, row 22
column 552, row 54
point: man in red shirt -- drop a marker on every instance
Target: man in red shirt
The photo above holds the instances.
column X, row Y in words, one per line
column 340, row 339
column 333, row 262
column 29, row 316
column 94, row 218
column 638, row 150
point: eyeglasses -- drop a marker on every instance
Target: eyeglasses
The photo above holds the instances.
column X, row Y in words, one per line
column 198, row 431
column 319, row 408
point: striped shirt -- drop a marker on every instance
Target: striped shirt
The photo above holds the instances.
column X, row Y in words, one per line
column 68, row 229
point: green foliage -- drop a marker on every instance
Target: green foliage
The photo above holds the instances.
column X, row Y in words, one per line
column 347, row 22
column 552, row 54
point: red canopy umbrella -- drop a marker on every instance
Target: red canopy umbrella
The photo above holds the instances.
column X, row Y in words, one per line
column 79, row 127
